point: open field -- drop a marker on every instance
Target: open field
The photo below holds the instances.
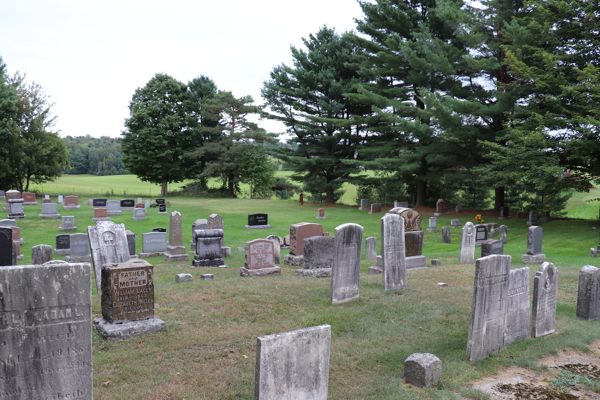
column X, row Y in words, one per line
column 130, row 185
column 208, row 351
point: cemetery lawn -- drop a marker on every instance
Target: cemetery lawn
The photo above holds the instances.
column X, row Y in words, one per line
column 209, row 348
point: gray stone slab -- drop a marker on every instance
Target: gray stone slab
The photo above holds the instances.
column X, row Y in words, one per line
column 588, row 293
column 432, row 224
column 154, row 242
column 517, row 313
column 46, row 345
column 128, row 330
column 245, row 272
column 8, row 222
column 259, row 253
column 403, row 204
column 108, row 243
column 489, row 306
column 535, row 237
column 455, row 223
column 436, row 262
column 276, row 247
column 345, row 280
column 40, row 254
column 80, row 244
column 175, row 231
column 294, row 261
column 503, row 229
column 415, row 262
column 293, row 365
column 374, row 271
column 371, row 248
column 533, row 259
column 491, row 247
column 446, row 235
column 314, row 273
column 318, row 252
column 113, row 207
column 181, row 278
column 364, row 204
column 543, row 313
column 393, row 252
column 422, row 370
column 467, row 244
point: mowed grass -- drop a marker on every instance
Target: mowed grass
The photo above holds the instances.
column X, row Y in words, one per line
column 209, row 348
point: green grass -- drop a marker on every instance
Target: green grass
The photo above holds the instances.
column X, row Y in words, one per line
column 208, row 351
column 580, row 207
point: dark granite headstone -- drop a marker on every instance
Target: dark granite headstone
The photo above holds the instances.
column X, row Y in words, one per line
column 6, row 247
column 63, row 244
column 504, row 212
column 99, row 203
column 413, row 243
column 160, row 201
column 127, row 203
column 491, row 247
column 258, row 219
column 481, row 233
column 159, row 230
column 162, row 208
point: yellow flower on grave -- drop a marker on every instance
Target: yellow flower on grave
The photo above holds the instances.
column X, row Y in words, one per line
column 478, row 218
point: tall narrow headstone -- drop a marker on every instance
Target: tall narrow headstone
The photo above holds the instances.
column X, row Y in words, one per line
column 46, row 345
column 517, row 312
column 293, row 365
column 371, row 248
column 6, row 247
column 503, row 229
column 588, row 293
column 467, row 244
column 109, row 246
column 364, row 204
column 432, row 224
column 488, row 310
column 345, row 280
column 393, row 252
column 446, row 235
column 130, row 242
column 175, row 249
column 543, row 313
column 535, row 238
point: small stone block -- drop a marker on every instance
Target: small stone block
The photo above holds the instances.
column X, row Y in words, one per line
column 436, row 261
column 314, row 273
column 180, row 278
column 128, row 330
column 240, row 249
column 422, row 370
column 374, row 271
column 244, row 272
column 207, row 277
column 533, row 258
column 295, row 261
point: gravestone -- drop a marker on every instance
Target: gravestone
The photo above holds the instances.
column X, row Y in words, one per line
column 489, row 306
column 258, row 221
column 517, row 312
column 71, row 203
column 259, row 259
column 208, row 248
column 153, row 244
column 481, row 234
column 109, row 246
column 99, row 203
column 49, row 211
column 492, row 228
column 139, row 200
column 345, row 274
column 41, row 254
column 412, row 218
column 113, row 207
column 147, row 203
column 545, row 217
column 467, row 244
column 413, row 242
column 318, row 252
column 422, row 370
column 588, row 293
column 80, row 248
column 7, row 254
column 46, row 349
column 140, row 205
column 432, row 225
column 17, row 211
column 533, row 218
column 100, row 214
column 215, row 221
column 446, row 235
column 127, row 301
column 543, row 313
column 293, row 365
column 8, row 222
column 503, row 229
column 301, row 199
column 400, row 204
column 181, row 278
column 139, row 214
column 375, row 208
column 455, row 223
column 127, row 204
column 299, row 232
column 13, row 195
column 371, row 248
column 492, row 247
column 29, row 199
column 199, row 224
column 458, row 208
column 504, row 213
column 47, row 197
column 393, row 252
column 277, row 249
column 2, row 196
column 160, row 201
column 47, row 200
column 175, row 249
column 67, row 224
column 130, row 242
column 162, row 209
column 535, row 238
column 16, row 237
column 63, row 245
column 61, row 199
column 321, row 213
column 364, row 204
column 441, row 208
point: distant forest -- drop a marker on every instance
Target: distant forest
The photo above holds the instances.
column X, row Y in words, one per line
column 95, row 156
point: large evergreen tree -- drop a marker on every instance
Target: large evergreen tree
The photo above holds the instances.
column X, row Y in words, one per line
column 8, row 112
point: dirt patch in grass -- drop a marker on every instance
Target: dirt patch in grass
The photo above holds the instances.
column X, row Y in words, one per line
column 564, row 379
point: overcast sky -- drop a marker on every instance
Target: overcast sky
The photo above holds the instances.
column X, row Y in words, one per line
column 90, row 56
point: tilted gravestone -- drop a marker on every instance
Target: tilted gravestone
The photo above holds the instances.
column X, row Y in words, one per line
column 208, row 248
column 467, row 244
column 345, row 275
column 259, row 258
column 277, row 247
column 543, row 313
column 371, row 248
column 446, row 235
column 517, row 312
column 293, row 365
column 63, row 245
column 80, row 248
column 175, row 249
column 588, row 293
column 258, row 221
column 46, row 346
column 109, row 246
column 393, row 252
column 535, row 238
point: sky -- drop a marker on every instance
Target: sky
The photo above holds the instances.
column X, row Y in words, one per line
column 90, row 56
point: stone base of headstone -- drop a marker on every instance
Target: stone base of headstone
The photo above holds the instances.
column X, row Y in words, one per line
column 49, row 216
column 225, row 251
column 161, row 213
column 436, row 261
column 78, row 259
column 415, row 262
column 113, row 213
column 17, row 216
column 245, row 272
column 67, row 228
column 62, row 252
column 127, row 330
column 321, row 217
column 374, row 271
column 32, row 203
column 207, row 277
column 314, row 273
column 21, row 257
column 533, row 259
column 294, row 261
column 72, row 207
column 439, row 214
column 127, row 208
column 148, row 255
column 139, row 219
column 176, row 257
column 209, row 262
column 592, row 252
column 431, row 229
column 180, row 278
column 94, row 220
column 258, row 226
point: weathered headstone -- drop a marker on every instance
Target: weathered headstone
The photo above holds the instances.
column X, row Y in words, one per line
column 481, row 234
column 277, row 249
column 63, row 245
column 467, row 244
column 490, row 302
column 533, row 218
column 259, row 255
column 215, row 221
column 7, row 255
column 17, row 211
column 588, row 293
column 181, row 278
column 208, row 248
column 130, row 242
column 318, row 252
column 258, row 221
column 71, row 203
column 422, row 370
column 412, row 218
column 517, row 312
column 46, row 349
column 543, row 313
column 199, row 224
column 413, row 242
column 67, row 224
column 109, row 246
column 375, row 208
column 175, row 249
column 400, row 204
column 432, row 224
column 113, row 207
column 393, row 252
column 535, row 238
column 345, row 275
column 139, row 214
column 441, row 208
column 503, row 229
column 504, row 213
column 321, row 213
column 446, row 235
column 491, row 247
column 364, row 204
column 293, row 365
column 80, row 248
column 455, row 223
column 29, row 199
column 371, row 248
column 41, row 254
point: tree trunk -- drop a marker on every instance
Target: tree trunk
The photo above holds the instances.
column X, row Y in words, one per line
column 164, row 187
column 329, row 193
column 230, row 186
column 500, row 197
column 421, row 193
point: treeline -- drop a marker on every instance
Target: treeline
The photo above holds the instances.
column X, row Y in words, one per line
column 95, row 156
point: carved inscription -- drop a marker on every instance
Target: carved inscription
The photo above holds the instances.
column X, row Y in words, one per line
column 130, row 294
column 260, row 254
